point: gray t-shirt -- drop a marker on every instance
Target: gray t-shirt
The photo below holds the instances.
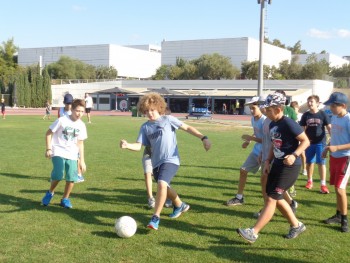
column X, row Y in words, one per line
column 161, row 136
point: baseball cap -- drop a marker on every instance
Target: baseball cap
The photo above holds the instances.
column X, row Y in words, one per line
column 274, row 99
column 336, row 97
column 68, row 99
column 252, row 101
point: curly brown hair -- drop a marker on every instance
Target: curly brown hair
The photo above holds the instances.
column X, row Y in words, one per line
column 151, row 101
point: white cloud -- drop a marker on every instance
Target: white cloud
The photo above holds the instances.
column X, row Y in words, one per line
column 78, row 8
column 335, row 33
column 313, row 32
column 343, row 33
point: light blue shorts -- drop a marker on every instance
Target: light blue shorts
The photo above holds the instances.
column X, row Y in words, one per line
column 147, row 164
column 62, row 166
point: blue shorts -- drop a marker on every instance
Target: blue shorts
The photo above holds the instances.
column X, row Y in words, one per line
column 314, row 153
column 63, row 166
column 165, row 172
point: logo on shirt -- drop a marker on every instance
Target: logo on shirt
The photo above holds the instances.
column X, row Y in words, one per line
column 69, row 133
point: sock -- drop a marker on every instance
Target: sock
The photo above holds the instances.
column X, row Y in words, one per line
column 310, row 180
column 323, row 182
column 338, row 213
column 239, row 196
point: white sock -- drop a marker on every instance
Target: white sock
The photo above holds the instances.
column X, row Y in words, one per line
column 239, row 196
column 323, row 182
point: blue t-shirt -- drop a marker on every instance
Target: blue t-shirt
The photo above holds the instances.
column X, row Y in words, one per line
column 283, row 134
column 258, row 132
column 161, row 136
column 315, row 126
column 340, row 134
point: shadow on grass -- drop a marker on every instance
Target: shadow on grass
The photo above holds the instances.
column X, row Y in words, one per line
column 21, row 176
column 211, row 167
column 236, row 254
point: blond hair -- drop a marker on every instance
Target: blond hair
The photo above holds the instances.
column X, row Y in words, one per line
column 152, row 101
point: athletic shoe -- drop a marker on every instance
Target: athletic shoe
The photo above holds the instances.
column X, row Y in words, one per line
column 168, row 203
column 47, row 198
column 154, row 223
column 344, row 225
column 257, row 214
column 80, row 179
column 294, row 206
column 247, row 234
column 324, row 189
column 304, row 172
column 336, row 219
column 295, row 231
column 292, row 191
column 179, row 210
column 151, row 202
column 309, row 185
column 65, row 202
column 235, row 201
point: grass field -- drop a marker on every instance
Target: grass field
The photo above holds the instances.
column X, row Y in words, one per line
column 114, row 187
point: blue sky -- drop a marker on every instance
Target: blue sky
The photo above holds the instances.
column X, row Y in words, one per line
column 319, row 25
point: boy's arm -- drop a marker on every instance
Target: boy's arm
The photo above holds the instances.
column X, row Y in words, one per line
column 303, row 144
column 130, row 146
column 198, row 134
column 81, row 155
column 48, row 138
column 249, row 138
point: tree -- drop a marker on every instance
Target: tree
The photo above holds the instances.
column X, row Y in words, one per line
column 314, row 69
column 290, row 70
column 104, row 72
column 8, row 63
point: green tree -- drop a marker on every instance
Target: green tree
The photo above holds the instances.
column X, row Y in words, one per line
column 8, row 63
column 314, row 69
column 104, row 72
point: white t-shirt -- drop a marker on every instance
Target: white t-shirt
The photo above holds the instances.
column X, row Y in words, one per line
column 66, row 134
column 88, row 102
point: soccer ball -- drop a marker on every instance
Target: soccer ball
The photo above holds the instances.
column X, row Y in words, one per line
column 125, row 226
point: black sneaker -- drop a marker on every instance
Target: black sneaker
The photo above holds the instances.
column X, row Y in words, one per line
column 344, row 226
column 296, row 231
column 333, row 220
column 294, row 206
column 235, row 201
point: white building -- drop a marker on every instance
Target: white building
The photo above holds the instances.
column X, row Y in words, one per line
column 333, row 60
column 237, row 49
column 136, row 62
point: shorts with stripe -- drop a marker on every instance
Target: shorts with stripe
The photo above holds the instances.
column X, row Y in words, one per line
column 339, row 171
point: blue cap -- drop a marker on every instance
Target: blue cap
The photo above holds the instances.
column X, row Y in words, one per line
column 68, row 99
column 337, row 97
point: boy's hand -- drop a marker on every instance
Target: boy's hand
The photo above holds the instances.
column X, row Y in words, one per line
column 246, row 137
column 123, row 144
column 48, row 153
column 245, row 144
column 82, row 166
column 289, row 159
column 206, row 144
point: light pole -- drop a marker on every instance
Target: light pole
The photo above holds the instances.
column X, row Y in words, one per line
column 262, row 40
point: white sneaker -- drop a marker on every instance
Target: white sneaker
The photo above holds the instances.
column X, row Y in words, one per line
column 151, row 202
column 80, row 179
column 304, row 172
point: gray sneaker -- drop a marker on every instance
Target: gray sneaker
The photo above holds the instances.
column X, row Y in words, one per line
column 344, row 225
column 257, row 214
column 296, row 231
column 247, row 234
column 333, row 220
column 151, row 202
column 294, row 206
column 168, row 203
column 235, row 201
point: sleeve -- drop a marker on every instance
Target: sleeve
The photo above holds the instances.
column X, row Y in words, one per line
column 303, row 120
column 174, row 122
column 142, row 137
column 83, row 133
column 55, row 125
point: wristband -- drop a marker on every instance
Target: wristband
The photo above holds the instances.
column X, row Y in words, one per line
column 204, row 138
column 295, row 155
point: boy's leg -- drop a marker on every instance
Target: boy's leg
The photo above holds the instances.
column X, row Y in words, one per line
column 310, row 172
column 148, row 183
column 68, row 189
column 162, row 189
column 322, row 172
column 266, row 215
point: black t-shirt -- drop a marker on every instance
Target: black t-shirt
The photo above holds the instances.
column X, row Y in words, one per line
column 283, row 135
column 315, row 126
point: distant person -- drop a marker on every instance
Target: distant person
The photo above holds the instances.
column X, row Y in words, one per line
column 224, row 108
column 64, row 141
column 315, row 122
column 159, row 132
column 66, row 110
column 339, row 148
column 3, row 110
column 47, row 110
column 282, row 166
column 88, row 106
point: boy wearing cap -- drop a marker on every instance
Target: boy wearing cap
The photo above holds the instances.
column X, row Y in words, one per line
column 288, row 142
column 252, row 163
column 339, row 149
column 66, row 110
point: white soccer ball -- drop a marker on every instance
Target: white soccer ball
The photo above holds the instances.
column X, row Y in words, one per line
column 125, row 226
